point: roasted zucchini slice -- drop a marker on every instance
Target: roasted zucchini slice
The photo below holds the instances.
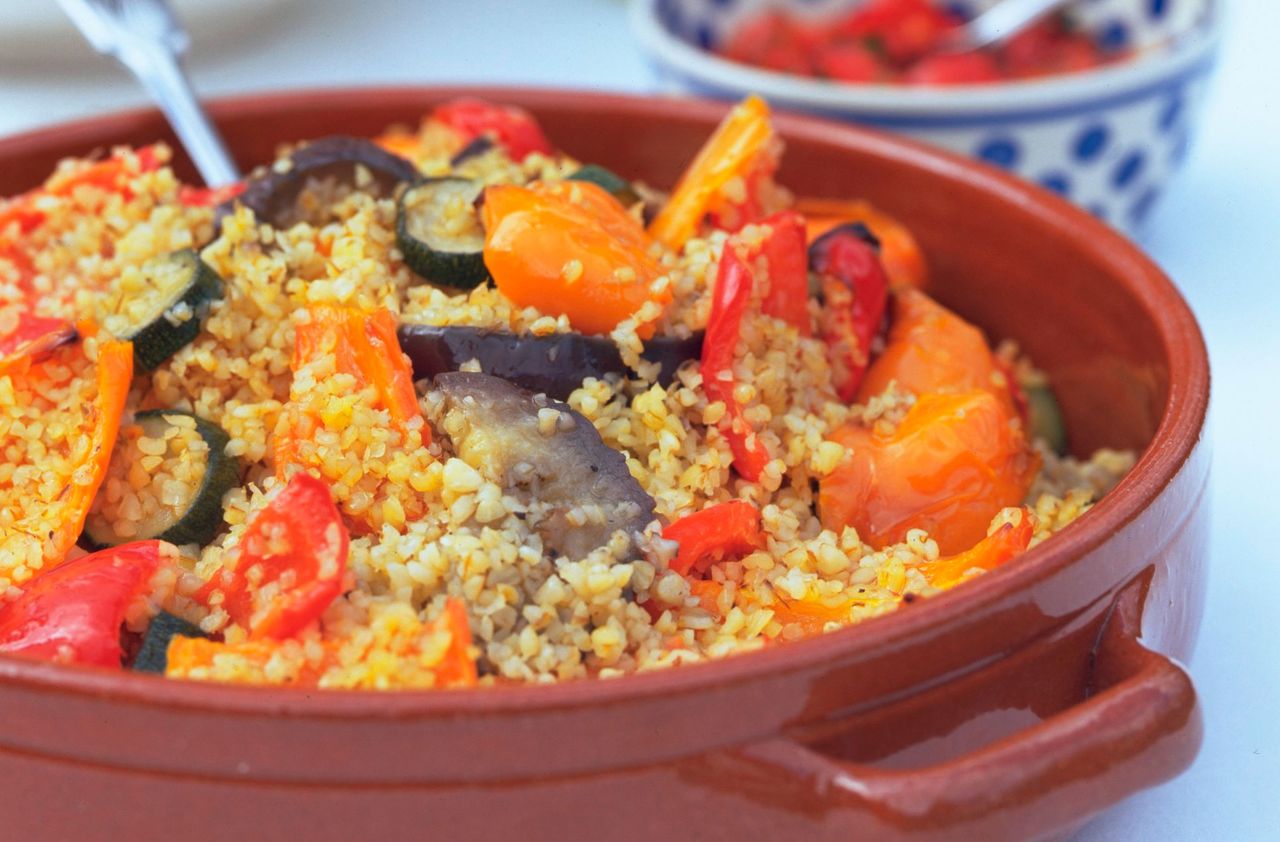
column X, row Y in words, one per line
column 154, row 654
column 612, row 183
column 167, row 477
column 1045, row 417
column 160, row 305
column 439, row 233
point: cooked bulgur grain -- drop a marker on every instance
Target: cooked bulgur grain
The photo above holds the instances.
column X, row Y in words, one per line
column 430, row 531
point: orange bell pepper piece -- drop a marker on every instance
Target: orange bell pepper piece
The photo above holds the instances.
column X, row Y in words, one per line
column 707, row 592
column 572, row 249
column 62, row 519
column 899, row 252
column 812, row 617
column 991, row 552
column 402, row 143
column 457, row 668
column 364, row 345
column 952, row 464
column 739, row 148
column 188, row 655
column 931, row 349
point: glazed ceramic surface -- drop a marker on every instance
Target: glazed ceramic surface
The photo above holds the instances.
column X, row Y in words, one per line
column 1015, row 706
column 1109, row 140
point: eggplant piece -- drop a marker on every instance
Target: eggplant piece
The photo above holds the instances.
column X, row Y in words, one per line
column 477, row 146
column 273, row 195
column 554, row 365
column 549, row 457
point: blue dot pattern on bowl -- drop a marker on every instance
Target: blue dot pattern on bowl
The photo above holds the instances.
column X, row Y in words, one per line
column 1058, row 182
column 1091, row 143
column 1129, row 168
column 1139, row 210
column 1110, row 156
column 1171, row 112
column 1000, row 151
column 1114, row 36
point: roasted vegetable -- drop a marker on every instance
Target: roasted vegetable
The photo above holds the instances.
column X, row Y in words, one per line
column 154, row 654
column 513, row 128
column 719, row 532
column 362, row 344
column 291, row 562
column 931, row 349
column 51, row 514
column 740, row 152
column 438, row 231
column 478, row 146
column 272, row 192
column 569, row 248
column 855, row 292
column 729, row 300
column 31, row 341
column 948, row 468
column 899, row 252
column 1045, row 418
column 613, row 184
column 554, row 365
column 72, row 613
column 996, row 549
column 784, row 253
column 162, row 307
column 188, row 481
column 578, row 490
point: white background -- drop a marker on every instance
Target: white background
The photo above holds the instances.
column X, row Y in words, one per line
column 1216, row 232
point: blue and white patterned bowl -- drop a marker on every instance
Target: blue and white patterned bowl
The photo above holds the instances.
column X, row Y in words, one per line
column 1108, row 139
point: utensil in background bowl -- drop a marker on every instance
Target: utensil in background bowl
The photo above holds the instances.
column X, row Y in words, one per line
column 1014, row 706
column 1109, row 139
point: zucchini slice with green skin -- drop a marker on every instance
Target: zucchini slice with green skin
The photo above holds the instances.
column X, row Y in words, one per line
column 163, row 305
column 154, row 654
column 1045, row 417
column 166, row 481
column 612, row 183
column 439, row 233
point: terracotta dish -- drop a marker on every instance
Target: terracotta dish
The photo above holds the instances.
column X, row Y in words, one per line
column 1017, row 705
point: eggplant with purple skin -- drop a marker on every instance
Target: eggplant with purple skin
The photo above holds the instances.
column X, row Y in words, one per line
column 554, row 365
column 578, row 490
column 272, row 192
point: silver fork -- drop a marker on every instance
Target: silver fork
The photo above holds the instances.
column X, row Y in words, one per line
column 146, row 37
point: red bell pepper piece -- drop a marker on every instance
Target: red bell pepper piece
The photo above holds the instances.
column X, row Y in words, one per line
column 292, row 559
column 72, row 613
column 514, row 128
column 33, row 337
column 729, row 302
column 112, row 174
column 784, row 250
column 725, row 530
column 19, row 210
column 207, row 197
column 856, row 291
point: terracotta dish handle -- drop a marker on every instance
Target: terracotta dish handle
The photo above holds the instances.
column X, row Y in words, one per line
column 1140, row 726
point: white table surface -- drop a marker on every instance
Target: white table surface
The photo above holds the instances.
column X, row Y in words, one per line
column 1217, row 233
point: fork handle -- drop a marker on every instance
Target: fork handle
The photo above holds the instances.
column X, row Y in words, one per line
column 160, row 72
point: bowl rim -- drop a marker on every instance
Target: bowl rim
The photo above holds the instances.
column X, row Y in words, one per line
column 1179, row 431
column 1191, row 55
